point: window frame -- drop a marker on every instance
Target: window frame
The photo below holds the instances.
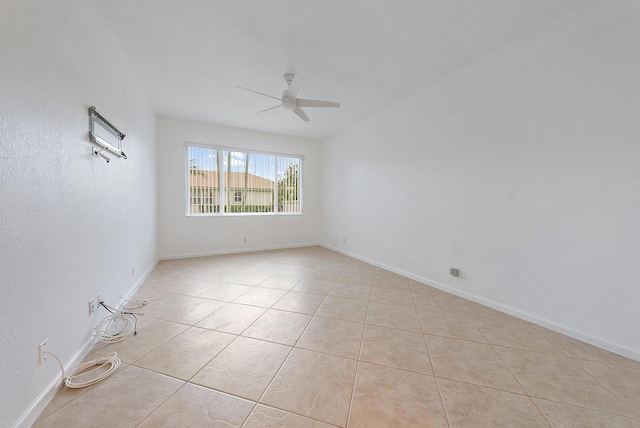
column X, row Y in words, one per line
column 222, row 191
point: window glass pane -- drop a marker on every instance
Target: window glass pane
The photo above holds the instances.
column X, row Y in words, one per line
column 261, row 183
column 204, row 189
column 288, row 185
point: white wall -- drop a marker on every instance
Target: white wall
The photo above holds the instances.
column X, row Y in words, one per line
column 179, row 235
column 71, row 225
column 521, row 170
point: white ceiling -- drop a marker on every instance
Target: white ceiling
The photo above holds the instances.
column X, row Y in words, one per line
column 365, row 54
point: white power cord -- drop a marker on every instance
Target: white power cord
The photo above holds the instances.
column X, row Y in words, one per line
column 115, row 327
column 135, row 302
column 86, row 368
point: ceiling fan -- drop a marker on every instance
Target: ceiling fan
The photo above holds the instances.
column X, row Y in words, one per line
column 289, row 100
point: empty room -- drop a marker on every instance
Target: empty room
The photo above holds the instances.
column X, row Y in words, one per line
column 320, row 213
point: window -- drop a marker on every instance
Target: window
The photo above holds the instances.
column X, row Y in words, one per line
column 223, row 181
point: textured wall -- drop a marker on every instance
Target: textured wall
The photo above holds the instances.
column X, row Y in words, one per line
column 521, row 170
column 71, row 225
column 179, row 235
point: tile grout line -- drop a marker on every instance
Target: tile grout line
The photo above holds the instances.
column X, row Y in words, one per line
column 164, row 401
column 433, row 369
column 444, row 407
column 355, row 377
column 610, row 392
column 509, row 368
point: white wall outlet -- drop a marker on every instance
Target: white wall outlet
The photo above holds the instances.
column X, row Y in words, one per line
column 99, row 298
column 41, row 355
column 92, row 306
column 344, row 241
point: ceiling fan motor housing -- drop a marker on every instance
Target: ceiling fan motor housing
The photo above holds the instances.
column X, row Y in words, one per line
column 287, row 102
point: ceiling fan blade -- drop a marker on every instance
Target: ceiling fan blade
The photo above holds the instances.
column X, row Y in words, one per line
column 315, row 103
column 302, row 114
column 295, row 86
column 270, row 108
column 266, row 95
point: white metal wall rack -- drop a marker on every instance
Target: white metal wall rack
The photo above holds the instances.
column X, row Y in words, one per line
column 105, row 135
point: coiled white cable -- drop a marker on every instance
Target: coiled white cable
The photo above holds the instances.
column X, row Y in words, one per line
column 84, row 369
column 115, row 327
column 135, row 302
column 88, row 367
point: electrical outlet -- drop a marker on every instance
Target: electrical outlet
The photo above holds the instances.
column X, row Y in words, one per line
column 99, row 298
column 92, row 306
column 344, row 241
column 41, row 355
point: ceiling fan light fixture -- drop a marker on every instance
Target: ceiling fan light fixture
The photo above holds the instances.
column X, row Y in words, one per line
column 288, row 104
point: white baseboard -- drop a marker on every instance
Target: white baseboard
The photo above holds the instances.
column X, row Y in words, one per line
column 31, row 414
column 243, row 250
column 137, row 285
column 551, row 325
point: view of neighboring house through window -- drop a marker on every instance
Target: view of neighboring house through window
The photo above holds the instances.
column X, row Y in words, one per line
column 252, row 182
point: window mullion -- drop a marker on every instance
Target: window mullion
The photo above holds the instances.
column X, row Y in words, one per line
column 276, row 208
column 222, row 190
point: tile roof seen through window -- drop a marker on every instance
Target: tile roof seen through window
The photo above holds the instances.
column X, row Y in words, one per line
column 207, row 178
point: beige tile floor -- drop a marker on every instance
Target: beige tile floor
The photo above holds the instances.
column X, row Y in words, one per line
column 308, row 337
